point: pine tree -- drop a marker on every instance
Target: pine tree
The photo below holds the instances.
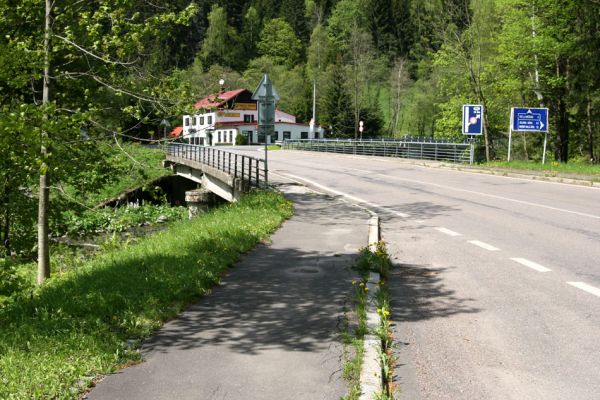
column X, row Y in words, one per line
column 337, row 107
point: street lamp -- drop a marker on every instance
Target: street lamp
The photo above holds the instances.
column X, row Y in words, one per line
column 165, row 124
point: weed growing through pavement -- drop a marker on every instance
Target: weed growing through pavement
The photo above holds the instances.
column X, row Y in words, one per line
column 376, row 260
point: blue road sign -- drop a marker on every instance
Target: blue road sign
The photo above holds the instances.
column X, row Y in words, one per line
column 472, row 120
column 530, row 119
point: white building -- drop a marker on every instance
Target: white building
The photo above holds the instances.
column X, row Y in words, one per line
column 222, row 117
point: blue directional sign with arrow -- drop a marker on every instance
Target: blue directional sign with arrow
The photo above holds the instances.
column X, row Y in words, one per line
column 472, row 120
column 530, row 119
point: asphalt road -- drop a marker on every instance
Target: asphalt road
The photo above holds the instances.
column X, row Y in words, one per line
column 496, row 288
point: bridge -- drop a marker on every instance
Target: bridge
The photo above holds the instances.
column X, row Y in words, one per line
column 224, row 173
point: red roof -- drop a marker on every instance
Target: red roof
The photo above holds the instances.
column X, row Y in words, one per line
column 217, row 99
column 175, row 133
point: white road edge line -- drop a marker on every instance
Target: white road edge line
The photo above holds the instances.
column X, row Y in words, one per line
column 347, row 196
column 447, row 231
column 588, row 288
column 531, row 264
column 484, row 245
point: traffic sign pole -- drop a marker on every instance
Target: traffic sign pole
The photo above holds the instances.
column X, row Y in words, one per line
column 512, row 113
column 545, row 141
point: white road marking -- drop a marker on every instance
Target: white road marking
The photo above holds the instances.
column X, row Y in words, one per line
column 528, row 203
column 531, row 264
column 484, row 245
column 584, row 286
column 347, row 196
column 447, row 231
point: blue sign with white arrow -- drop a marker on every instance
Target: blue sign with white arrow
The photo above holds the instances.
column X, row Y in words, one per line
column 472, row 120
column 530, row 119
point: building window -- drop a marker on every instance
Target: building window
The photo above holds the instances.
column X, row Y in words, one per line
column 248, row 117
column 303, row 135
column 193, row 121
column 277, row 136
column 209, row 120
column 201, row 120
column 186, row 121
column 219, row 139
column 287, row 135
column 230, row 136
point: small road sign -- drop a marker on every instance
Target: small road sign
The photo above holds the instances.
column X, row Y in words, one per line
column 530, row 119
column 472, row 120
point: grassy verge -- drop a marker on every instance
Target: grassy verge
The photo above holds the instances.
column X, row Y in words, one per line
column 370, row 261
column 272, row 147
column 56, row 339
column 551, row 168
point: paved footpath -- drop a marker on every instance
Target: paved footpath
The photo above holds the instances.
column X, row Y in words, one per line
column 271, row 330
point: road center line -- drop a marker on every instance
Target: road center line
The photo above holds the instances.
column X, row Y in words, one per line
column 528, row 203
column 531, row 264
column 484, row 245
column 447, row 231
column 588, row 288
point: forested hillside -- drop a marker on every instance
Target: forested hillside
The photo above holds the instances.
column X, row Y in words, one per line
column 76, row 72
column 405, row 67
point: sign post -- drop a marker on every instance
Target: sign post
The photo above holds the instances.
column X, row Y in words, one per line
column 266, row 96
column 361, row 128
column 529, row 120
column 472, row 125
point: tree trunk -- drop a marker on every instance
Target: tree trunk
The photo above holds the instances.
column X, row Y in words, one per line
column 6, row 226
column 44, row 195
column 590, row 128
column 562, row 146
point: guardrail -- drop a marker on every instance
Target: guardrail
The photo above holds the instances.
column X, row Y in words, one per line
column 249, row 169
column 414, row 149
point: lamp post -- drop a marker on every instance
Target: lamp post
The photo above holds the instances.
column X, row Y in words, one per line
column 165, row 124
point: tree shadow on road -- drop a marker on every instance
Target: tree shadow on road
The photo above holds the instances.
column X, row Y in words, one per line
column 418, row 293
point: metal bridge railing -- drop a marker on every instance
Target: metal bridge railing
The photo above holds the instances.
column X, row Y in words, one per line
column 402, row 148
column 248, row 169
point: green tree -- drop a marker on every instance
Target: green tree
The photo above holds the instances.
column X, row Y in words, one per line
column 337, row 107
column 346, row 17
column 77, row 54
column 221, row 45
column 294, row 12
column 279, row 42
column 251, row 29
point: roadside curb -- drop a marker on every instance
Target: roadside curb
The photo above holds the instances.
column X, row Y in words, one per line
column 371, row 379
column 518, row 175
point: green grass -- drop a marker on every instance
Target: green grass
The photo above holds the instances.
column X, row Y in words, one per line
column 56, row 339
column 273, row 147
column 551, row 168
column 116, row 219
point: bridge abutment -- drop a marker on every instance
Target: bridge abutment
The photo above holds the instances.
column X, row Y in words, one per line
column 199, row 201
